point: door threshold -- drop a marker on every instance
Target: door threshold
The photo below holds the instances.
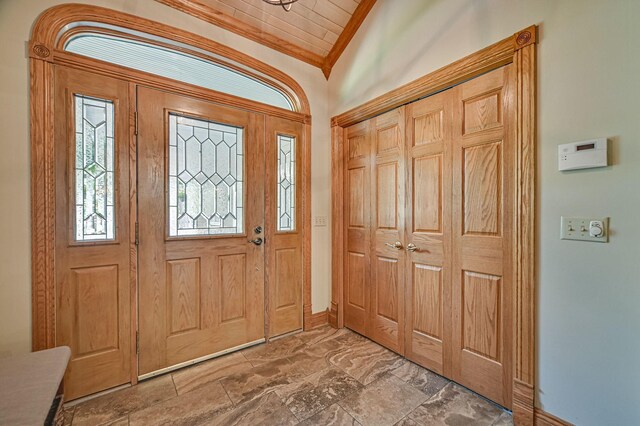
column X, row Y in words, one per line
column 77, row 401
column 198, row 360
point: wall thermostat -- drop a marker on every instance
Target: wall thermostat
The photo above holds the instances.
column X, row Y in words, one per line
column 583, row 155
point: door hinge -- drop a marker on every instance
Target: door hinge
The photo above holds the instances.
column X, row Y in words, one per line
column 137, row 234
column 135, row 123
column 137, row 342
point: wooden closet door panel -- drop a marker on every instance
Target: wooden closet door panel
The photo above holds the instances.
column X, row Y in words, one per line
column 483, row 185
column 428, row 211
column 386, row 317
column 357, row 226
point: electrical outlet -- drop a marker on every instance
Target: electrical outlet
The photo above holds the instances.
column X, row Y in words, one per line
column 584, row 229
column 320, row 221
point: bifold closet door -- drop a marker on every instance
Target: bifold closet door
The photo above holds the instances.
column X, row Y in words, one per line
column 357, row 230
column 483, row 210
column 374, row 226
column 428, row 222
column 386, row 317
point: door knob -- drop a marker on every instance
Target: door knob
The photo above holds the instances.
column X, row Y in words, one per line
column 397, row 245
column 412, row 247
column 257, row 241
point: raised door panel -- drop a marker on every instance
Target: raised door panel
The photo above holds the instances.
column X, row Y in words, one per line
column 427, row 300
column 387, row 139
column 483, row 194
column 427, row 194
column 355, row 290
column 356, row 147
column 183, row 292
column 95, row 293
column 429, row 128
column 387, row 288
column 233, row 282
column 356, row 194
column 387, row 195
column 482, row 204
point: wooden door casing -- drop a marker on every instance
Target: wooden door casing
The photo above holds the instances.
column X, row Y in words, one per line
column 428, row 227
column 357, row 227
column 483, row 209
column 386, row 316
column 283, row 248
column 92, row 277
column 198, row 295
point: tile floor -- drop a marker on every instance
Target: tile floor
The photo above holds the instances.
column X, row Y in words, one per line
column 321, row 377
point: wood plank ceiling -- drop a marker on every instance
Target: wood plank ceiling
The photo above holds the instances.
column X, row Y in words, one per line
column 314, row 31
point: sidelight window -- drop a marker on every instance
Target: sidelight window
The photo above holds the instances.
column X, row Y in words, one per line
column 94, row 168
column 286, row 183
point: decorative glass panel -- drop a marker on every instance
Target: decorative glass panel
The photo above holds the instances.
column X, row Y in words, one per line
column 286, row 183
column 94, row 166
column 175, row 65
column 205, row 177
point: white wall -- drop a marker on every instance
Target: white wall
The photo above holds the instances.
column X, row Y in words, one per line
column 589, row 86
column 16, row 19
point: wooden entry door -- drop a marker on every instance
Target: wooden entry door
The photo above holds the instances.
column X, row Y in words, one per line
column 92, row 232
column 200, row 199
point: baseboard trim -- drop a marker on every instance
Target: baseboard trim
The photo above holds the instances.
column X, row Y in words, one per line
column 319, row 319
column 545, row 419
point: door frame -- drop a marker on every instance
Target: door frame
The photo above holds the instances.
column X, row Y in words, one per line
column 519, row 50
column 46, row 49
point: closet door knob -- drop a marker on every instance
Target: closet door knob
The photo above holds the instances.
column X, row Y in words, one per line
column 412, row 247
column 397, row 245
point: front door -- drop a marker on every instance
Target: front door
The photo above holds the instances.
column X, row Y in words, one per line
column 200, row 202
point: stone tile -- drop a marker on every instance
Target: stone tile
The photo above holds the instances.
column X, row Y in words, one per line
column 307, row 362
column 383, row 402
column 120, row 422
column 455, row 406
column 320, row 334
column 366, row 361
column 190, row 408
column 427, row 381
column 257, row 381
column 210, row 371
column 505, row 419
column 67, row 415
column 273, row 350
column 118, row 404
column 317, row 392
column 332, row 416
column 266, row 410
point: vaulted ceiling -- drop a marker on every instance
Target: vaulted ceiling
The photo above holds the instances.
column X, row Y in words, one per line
column 314, row 31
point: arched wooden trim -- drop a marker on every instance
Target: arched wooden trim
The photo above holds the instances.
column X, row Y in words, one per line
column 47, row 28
column 519, row 50
column 45, row 50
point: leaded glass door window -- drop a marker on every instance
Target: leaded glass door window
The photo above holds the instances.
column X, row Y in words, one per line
column 205, row 177
column 94, row 169
column 286, row 220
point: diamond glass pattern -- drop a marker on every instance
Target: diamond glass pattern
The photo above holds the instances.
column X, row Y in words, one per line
column 205, row 177
column 286, row 183
column 94, row 168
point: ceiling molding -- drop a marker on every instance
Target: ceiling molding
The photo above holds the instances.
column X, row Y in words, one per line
column 223, row 17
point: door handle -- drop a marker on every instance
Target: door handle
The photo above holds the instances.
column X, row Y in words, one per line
column 412, row 247
column 257, row 241
column 397, row 245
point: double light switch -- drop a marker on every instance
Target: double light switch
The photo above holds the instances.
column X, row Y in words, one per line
column 585, row 229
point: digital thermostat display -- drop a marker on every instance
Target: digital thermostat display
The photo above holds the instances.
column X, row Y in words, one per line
column 583, row 154
column 585, row 147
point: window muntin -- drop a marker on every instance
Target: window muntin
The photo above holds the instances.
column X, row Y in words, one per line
column 94, row 169
column 286, row 183
column 206, row 166
column 175, row 65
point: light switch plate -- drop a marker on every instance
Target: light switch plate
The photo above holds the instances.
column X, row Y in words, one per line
column 320, row 221
column 577, row 228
